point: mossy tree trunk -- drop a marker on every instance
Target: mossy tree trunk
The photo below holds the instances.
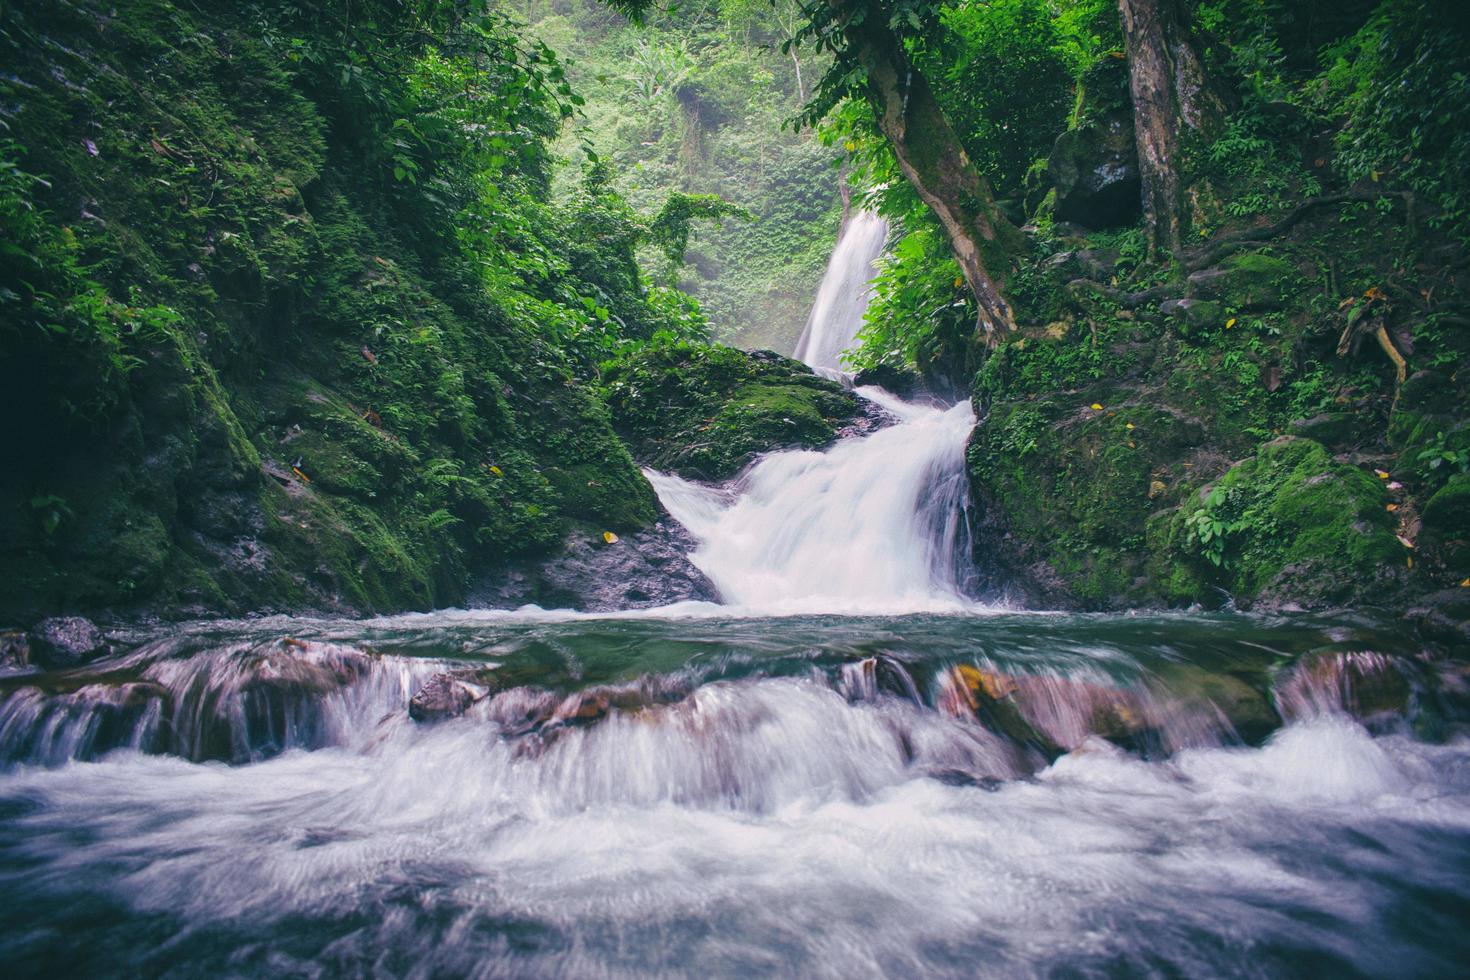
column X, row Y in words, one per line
column 933, row 160
column 1170, row 99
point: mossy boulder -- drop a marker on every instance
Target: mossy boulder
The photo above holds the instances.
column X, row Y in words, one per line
column 705, row 411
column 1249, row 281
column 1064, row 491
column 1293, row 526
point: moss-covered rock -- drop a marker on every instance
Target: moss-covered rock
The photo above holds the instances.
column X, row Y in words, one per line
column 1249, row 281
column 1291, row 525
column 1065, row 486
column 706, row 411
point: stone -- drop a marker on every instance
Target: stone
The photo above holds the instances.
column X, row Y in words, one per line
column 1094, row 169
column 642, row 570
column 1250, row 281
column 442, row 697
column 15, row 650
column 67, row 641
column 1328, row 428
column 1195, row 315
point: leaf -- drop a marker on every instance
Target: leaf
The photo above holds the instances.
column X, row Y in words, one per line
column 1096, row 407
column 1391, row 508
column 1381, row 474
column 609, row 537
column 1229, row 323
column 497, row 471
column 1130, row 426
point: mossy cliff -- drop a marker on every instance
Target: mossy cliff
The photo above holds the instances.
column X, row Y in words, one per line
column 1237, row 435
column 236, row 376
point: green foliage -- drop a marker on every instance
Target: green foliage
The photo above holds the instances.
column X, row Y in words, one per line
column 1403, row 82
column 920, row 314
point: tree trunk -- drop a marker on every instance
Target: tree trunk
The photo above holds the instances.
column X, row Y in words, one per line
column 1170, row 98
column 932, row 159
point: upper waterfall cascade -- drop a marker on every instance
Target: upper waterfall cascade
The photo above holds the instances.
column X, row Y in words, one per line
column 842, row 297
column 873, row 524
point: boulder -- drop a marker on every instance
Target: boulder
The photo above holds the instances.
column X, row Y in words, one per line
column 67, row 641
column 1194, row 315
column 1329, row 428
column 643, row 570
column 444, row 696
column 15, row 649
column 1250, row 281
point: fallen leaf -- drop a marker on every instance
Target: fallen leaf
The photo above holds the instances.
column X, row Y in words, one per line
column 609, row 537
column 1395, row 485
column 369, row 356
column 304, row 477
column 1465, row 583
column 1130, row 426
column 958, row 282
column 1229, row 323
column 1404, row 541
column 1409, row 561
column 1381, row 474
column 1132, row 444
column 497, row 471
column 1392, row 507
column 1096, row 407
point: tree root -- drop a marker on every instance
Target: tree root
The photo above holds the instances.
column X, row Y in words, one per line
column 1263, row 236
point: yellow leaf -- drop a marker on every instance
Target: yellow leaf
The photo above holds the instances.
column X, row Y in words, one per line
column 304, row 477
column 1132, row 444
column 1381, row 474
column 1130, row 426
column 958, row 282
column 1096, row 407
column 1404, row 541
column 1409, row 561
column 497, row 471
column 1392, row 507
column 1375, row 175
column 1465, row 583
column 609, row 537
column 1229, row 323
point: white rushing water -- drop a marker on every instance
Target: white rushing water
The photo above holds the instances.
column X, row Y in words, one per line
column 873, row 524
column 843, row 295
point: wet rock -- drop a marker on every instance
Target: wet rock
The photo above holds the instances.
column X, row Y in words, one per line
column 1094, row 169
column 642, row 570
column 67, row 641
column 1443, row 615
column 444, row 696
column 15, row 649
column 1363, row 683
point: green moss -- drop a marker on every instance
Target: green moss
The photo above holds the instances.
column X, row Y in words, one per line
column 1076, row 485
column 1248, row 281
column 706, row 411
column 1293, row 522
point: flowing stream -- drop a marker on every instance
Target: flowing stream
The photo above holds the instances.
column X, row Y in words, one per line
column 849, row 769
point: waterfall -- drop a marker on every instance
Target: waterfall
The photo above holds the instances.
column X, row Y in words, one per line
column 873, row 524
column 842, row 298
